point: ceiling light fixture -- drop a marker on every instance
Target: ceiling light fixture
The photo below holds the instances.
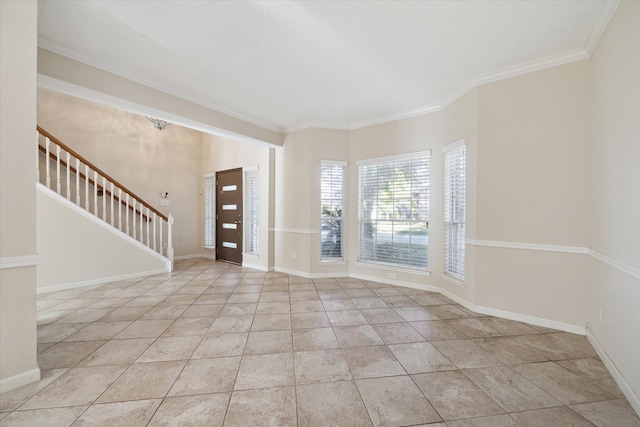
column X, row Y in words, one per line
column 157, row 123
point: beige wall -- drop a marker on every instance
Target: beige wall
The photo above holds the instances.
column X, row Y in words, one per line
column 533, row 157
column 293, row 203
column 128, row 148
column 219, row 154
column 97, row 253
column 18, row 29
column 399, row 137
column 426, row 132
column 297, row 199
column 532, row 189
column 614, row 230
column 326, row 144
column 75, row 78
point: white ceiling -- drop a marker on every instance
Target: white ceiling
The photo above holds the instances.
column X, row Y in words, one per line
column 288, row 65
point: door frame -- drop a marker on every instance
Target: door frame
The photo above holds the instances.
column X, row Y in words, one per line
column 220, row 231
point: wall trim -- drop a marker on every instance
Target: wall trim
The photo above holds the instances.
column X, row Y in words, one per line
column 19, row 380
column 395, row 282
column 18, row 261
column 294, row 230
column 532, row 320
column 529, row 246
column 255, row 266
column 391, row 267
column 622, row 266
column 617, row 264
column 193, row 256
column 633, row 398
column 98, row 281
column 293, row 272
column 310, row 275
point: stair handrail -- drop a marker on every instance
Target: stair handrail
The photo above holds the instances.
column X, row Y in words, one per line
column 93, row 167
column 147, row 235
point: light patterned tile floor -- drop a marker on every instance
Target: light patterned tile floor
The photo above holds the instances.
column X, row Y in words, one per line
column 214, row 344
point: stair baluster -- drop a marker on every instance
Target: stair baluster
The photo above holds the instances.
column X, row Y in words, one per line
column 107, row 187
column 78, row 202
column 58, row 184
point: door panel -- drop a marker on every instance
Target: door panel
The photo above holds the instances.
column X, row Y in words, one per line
column 229, row 216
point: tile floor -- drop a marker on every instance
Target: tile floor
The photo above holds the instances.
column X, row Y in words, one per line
column 214, row 344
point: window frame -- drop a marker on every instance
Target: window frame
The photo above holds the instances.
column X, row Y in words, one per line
column 420, row 163
column 251, row 176
column 343, row 171
column 454, row 210
column 209, row 211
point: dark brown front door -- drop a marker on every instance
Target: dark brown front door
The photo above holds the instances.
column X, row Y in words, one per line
column 229, row 216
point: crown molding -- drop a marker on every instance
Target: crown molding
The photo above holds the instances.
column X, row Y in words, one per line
column 606, row 13
column 607, row 10
column 56, row 48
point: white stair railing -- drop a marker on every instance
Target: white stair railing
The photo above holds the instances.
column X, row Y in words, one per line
column 123, row 207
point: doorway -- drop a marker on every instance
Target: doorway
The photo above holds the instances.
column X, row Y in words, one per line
column 229, row 216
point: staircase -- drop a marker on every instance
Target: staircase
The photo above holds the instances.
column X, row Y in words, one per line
column 67, row 173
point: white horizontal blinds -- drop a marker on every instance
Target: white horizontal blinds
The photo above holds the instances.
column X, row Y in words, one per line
column 251, row 211
column 331, row 200
column 209, row 211
column 394, row 210
column 455, row 191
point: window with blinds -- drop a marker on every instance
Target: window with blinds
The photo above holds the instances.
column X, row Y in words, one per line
column 331, row 200
column 455, row 191
column 209, row 211
column 251, row 196
column 393, row 210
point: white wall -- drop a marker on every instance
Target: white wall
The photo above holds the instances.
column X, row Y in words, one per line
column 98, row 253
column 18, row 30
column 614, row 228
column 128, row 148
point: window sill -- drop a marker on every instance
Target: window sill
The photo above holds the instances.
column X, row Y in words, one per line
column 333, row 261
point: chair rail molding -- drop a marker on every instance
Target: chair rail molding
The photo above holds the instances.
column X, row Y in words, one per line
column 18, row 261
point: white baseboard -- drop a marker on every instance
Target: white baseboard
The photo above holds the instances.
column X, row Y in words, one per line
column 99, row 281
column 193, row 256
column 255, row 267
column 533, row 320
column 310, row 275
column 631, row 396
column 395, row 282
column 293, row 272
column 12, row 383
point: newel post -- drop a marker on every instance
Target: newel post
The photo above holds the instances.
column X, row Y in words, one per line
column 170, row 240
